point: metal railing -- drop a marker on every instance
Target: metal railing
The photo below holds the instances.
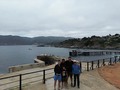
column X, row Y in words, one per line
column 99, row 63
column 48, row 73
column 20, row 79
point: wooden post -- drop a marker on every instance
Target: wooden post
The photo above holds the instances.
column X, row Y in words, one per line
column 115, row 59
column 43, row 76
column 110, row 61
column 98, row 63
column 87, row 66
column 92, row 65
column 119, row 58
column 80, row 67
column 20, row 83
column 103, row 62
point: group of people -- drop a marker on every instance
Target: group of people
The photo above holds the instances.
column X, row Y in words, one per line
column 65, row 69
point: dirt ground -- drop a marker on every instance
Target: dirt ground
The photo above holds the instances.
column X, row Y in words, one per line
column 111, row 74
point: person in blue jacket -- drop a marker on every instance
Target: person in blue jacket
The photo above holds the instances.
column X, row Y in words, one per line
column 76, row 71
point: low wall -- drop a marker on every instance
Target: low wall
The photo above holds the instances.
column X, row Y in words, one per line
column 26, row 66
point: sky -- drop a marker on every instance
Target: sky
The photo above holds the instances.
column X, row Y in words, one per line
column 69, row 18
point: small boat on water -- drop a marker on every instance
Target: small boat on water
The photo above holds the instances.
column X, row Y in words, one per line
column 41, row 45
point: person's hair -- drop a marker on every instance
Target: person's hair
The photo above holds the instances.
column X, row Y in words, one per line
column 63, row 59
column 69, row 57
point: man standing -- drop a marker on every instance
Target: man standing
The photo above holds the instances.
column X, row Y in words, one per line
column 68, row 65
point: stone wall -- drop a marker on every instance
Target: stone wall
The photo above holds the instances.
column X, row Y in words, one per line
column 26, row 66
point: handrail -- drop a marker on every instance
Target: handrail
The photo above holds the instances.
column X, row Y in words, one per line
column 10, row 76
column 20, row 77
column 98, row 64
column 25, row 73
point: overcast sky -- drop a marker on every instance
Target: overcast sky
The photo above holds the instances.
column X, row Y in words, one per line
column 72, row 18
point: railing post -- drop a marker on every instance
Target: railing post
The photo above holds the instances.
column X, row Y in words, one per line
column 98, row 63
column 20, row 83
column 110, row 61
column 80, row 67
column 87, row 66
column 103, row 62
column 115, row 59
column 43, row 76
column 119, row 59
column 92, row 65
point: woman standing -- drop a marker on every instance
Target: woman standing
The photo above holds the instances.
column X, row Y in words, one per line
column 58, row 75
column 76, row 71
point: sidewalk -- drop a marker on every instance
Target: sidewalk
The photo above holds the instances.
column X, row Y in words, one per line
column 89, row 81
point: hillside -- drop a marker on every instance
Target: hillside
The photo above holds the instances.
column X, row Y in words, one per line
column 95, row 42
column 17, row 40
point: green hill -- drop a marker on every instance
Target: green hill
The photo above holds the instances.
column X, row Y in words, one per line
column 95, row 42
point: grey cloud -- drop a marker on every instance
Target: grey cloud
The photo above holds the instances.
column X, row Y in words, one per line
column 76, row 18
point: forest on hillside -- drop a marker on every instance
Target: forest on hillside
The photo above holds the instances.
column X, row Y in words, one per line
column 94, row 42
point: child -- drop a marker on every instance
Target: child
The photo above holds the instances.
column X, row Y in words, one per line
column 76, row 72
column 57, row 76
column 64, row 76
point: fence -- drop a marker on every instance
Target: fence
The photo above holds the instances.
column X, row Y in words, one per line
column 20, row 80
column 99, row 63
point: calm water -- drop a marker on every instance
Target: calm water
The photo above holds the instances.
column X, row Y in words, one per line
column 16, row 55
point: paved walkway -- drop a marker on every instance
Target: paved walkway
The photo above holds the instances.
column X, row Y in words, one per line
column 89, row 81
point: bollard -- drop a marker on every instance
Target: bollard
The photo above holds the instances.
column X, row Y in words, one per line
column 20, row 83
column 43, row 76
column 87, row 66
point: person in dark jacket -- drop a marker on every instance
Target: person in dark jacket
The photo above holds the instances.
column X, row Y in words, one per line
column 76, row 71
column 68, row 65
column 58, row 75
column 62, row 63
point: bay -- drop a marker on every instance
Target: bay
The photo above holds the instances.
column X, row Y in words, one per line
column 24, row 54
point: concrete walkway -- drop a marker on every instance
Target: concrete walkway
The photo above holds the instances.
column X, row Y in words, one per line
column 89, row 81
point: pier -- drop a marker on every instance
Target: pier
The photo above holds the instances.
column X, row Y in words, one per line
column 78, row 52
